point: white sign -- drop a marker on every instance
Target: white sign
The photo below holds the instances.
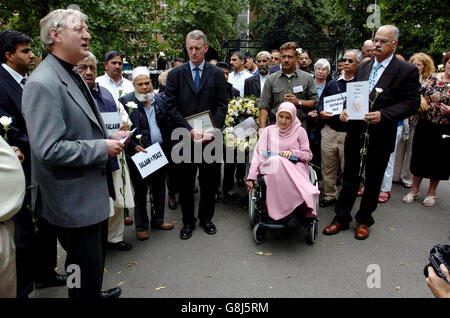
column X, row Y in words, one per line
column 357, row 100
column 150, row 161
column 334, row 103
column 112, row 121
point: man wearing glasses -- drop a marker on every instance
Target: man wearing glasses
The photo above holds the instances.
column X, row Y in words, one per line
column 399, row 99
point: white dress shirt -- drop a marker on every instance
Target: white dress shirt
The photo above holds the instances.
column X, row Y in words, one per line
column 262, row 80
column 384, row 64
column 125, row 85
column 14, row 74
column 238, row 80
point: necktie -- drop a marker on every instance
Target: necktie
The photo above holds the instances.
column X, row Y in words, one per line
column 373, row 76
column 197, row 78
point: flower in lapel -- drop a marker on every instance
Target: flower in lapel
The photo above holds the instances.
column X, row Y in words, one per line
column 6, row 121
column 378, row 91
column 139, row 137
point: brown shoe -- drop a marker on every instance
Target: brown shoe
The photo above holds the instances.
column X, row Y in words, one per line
column 335, row 228
column 362, row 232
column 165, row 226
column 142, row 236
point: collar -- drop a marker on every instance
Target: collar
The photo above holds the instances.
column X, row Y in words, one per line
column 192, row 66
column 342, row 78
column 67, row 66
column 241, row 72
column 96, row 87
column 263, row 76
column 18, row 77
column 385, row 62
column 293, row 74
column 112, row 81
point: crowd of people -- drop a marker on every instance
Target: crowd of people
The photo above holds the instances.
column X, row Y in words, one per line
column 81, row 180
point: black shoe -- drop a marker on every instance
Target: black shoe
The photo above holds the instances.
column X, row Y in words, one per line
column 119, row 246
column 231, row 195
column 186, row 231
column 209, row 228
column 218, row 196
column 172, row 203
column 57, row 280
column 240, row 183
column 324, row 203
column 111, row 293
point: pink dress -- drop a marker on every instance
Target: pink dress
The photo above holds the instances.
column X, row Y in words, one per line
column 288, row 183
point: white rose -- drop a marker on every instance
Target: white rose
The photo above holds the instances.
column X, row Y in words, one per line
column 379, row 90
column 5, row 121
column 138, row 137
column 132, row 105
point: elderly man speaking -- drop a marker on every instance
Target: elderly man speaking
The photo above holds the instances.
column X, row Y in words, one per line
column 150, row 121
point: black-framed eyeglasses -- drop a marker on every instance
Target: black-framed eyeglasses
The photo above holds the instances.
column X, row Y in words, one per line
column 349, row 60
column 382, row 41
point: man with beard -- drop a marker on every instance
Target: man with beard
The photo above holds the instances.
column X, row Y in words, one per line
column 113, row 79
column 288, row 85
column 150, row 121
column 305, row 62
column 255, row 84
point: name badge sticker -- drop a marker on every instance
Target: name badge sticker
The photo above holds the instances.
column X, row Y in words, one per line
column 298, row 89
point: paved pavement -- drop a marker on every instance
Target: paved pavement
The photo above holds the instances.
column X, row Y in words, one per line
column 227, row 265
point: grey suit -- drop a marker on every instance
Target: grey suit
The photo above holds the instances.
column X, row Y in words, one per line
column 68, row 150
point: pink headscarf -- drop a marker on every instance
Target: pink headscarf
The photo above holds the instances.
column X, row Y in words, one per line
column 288, row 107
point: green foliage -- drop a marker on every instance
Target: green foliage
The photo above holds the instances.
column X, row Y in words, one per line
column 128, row 26
column 217, row 19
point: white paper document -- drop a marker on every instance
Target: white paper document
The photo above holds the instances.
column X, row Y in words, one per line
column 334, row 103
column 357, row 100
column 124, row 140
column 150, row 161
column 112, row 121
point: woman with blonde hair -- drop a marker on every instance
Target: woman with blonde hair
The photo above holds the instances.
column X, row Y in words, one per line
column 402, row 171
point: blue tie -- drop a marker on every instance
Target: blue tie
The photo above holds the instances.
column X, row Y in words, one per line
column 373, row 76
column 197, row 79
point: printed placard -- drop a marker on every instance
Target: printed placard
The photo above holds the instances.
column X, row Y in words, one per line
column 112, row 121
column 334, row 103
column 357, row 100
column 150, row 161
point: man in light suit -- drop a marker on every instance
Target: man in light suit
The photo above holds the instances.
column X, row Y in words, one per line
column 35, row 252
column 399, row 99
column 69, row 152
column 192, row 88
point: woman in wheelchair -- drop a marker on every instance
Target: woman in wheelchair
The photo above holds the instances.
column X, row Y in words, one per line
column 288, row 183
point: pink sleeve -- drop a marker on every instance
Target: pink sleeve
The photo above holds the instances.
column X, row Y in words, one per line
column 257, row 157
column 303, row 153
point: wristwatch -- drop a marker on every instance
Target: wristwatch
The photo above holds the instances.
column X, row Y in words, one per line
column 299, row 102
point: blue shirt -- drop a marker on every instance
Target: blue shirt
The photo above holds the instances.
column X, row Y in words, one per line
column 192, row 66
column 155, row 132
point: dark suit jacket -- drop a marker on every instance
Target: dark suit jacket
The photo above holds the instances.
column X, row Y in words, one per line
column 400, row 99
column 11, row 106
column 252, row 86
column 274, row 68
column 183, row 101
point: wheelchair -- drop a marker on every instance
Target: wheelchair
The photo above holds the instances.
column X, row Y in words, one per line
column 260, row 221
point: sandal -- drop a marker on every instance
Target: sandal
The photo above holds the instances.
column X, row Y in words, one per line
column 409, row 198
column 384, row 197
column 429, row 201
column 361, row 191
column 407, row 185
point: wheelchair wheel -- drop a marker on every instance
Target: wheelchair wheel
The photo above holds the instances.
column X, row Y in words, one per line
column 312, row 232
column 252, row 207
column 259, row 234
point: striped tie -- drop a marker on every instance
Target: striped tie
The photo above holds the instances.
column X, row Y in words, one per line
column 373, row 76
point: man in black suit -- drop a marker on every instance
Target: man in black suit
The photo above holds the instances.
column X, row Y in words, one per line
column 254, row 85
column 398, row 100
column 192, row 88
column 17, row 60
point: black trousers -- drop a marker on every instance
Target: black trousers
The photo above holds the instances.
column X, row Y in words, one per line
column 233, row 169
column 158, row 191
column 35, row 252
column 85, row 247
column 375, row 165
column 209, row 180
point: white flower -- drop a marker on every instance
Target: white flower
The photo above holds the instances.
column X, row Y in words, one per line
column 5, row 121
column 445, row 136
column 132, row 104
column 139, row 136
column 379, row 90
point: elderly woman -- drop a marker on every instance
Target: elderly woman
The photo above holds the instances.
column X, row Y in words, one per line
column 431, row 147
column 288, row 183
column 402, row 172
column 321, row 72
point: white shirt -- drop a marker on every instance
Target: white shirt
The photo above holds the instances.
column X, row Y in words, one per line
column 384, row 64
column 238, row 80
column 14, row 74
column 262, row 80
column 125, row 85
